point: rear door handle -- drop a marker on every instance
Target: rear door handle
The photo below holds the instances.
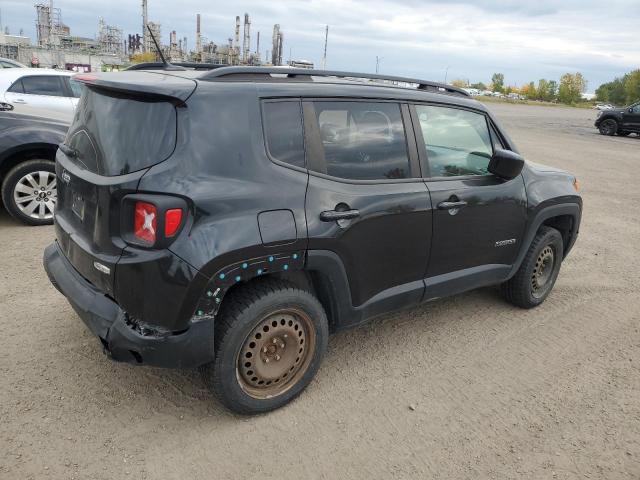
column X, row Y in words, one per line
column 334, row 215
column 19, row 100
column 451, row 205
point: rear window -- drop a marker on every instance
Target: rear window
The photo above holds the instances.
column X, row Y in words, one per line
column 116, row 134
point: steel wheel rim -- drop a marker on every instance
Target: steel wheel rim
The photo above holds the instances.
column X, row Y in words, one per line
column 542, row 271
column 276, row 354
column 35, row 194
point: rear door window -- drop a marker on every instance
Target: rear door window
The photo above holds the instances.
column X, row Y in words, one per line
column 50, row 85
column 283, row 131
column 362, row 140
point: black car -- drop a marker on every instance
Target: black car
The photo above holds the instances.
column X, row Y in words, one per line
column 231, row 219
column 619, row 121
column 28, row 144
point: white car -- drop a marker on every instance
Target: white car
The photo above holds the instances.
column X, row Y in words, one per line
column 29, row 89
column 604, row 106
column 8, row 63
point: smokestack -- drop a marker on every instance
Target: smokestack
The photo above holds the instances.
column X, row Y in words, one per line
column 237, row 38
column 324, row 57
column 246, row 42
column 276, row 45
column 198, row 37
column 145, row 33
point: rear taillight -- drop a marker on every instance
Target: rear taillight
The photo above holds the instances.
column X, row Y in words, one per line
column 145, row 222
column 172, row 221
column 152, row 220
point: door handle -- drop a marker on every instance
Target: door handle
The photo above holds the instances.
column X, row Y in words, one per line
column 19, row 100
column 452, row 205
column 335, row 215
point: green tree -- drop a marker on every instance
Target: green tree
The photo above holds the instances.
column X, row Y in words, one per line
column 632, row 86
column 498, row 82
column 553, row 90
column 571, row 88
column 612, row 92
column 479, row 86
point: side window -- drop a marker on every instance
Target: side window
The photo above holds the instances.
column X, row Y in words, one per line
column 16, row 87
column 363, row 140
column 283, row 131
column 43, row 85
column 636, row 109
column 76, row 88
column 458, row 141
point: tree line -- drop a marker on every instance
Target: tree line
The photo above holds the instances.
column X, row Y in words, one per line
column 568, row 90
column 622, row 90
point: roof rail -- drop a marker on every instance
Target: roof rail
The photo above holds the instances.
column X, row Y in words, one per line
column 265, row 73
column 187, row 65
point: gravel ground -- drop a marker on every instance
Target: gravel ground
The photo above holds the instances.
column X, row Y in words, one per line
column 467, row 387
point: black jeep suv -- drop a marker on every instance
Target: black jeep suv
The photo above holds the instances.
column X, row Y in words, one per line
column 619, row 121
column 231, row 219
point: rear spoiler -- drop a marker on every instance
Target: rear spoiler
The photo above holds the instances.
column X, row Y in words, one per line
column 174, row 88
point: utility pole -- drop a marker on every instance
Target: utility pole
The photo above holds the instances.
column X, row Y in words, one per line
column 378, row 60
column 446, row 72
column 324, row 57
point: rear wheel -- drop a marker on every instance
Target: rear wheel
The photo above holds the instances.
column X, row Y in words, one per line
column 270, row 340
column 537, row 274
column 29, row 192
column 608, row 127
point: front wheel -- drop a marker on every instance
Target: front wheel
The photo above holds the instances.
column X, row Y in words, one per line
column 270, row 339
column 29, row 192
column 608, row 127
column 537, row 274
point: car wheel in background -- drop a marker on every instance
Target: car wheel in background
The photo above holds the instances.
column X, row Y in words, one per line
column 608, row 127
column 29, row 192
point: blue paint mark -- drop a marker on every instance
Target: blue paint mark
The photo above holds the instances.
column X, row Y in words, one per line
column 259, row 271
column 200, row 312
column 221, row 276
column 245, row 265
column 295, row 256
column 209, row 293
column 217, row 300
column 286, row 267
column 238, row 278
column 271, row 259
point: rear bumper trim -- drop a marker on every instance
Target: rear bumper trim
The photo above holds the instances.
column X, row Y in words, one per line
column 106, row 320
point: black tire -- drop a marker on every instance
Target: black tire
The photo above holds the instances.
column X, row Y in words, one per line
column 624, row 134
column 243, row 313
column 9, row 193
column 526, row 288
column 608, row 127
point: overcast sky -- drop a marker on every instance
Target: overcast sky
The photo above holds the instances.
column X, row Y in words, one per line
column 525, row 40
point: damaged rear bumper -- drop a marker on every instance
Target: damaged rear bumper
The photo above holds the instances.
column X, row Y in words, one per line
column 123, row 339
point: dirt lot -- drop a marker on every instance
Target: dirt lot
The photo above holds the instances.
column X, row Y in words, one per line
column 496, row 392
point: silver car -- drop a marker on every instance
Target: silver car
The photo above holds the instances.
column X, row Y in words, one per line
column 29, row 89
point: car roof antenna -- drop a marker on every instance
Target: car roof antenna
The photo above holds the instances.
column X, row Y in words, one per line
column 167, row 65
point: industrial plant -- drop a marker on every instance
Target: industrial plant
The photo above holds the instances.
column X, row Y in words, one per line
column 56, row 47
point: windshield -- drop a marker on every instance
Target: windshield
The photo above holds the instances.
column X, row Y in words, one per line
column 114, row 134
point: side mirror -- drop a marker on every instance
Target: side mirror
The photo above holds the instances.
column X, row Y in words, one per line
column 506, row 164
column 5, row 107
